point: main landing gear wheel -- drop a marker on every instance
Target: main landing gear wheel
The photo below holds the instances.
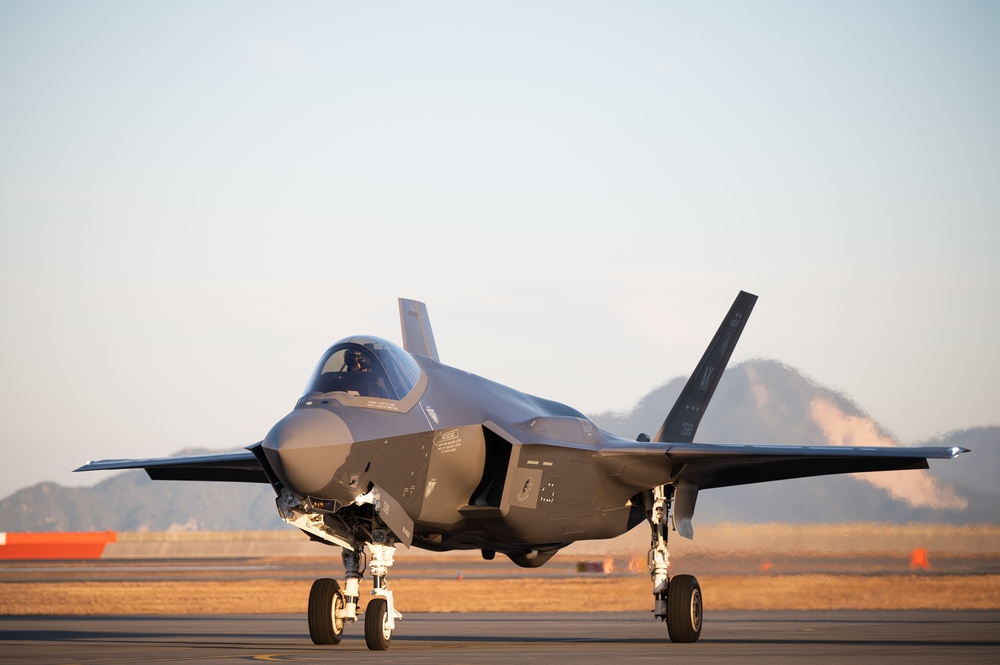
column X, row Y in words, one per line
column 378, row 635
column 326, row 601
column 684, row 609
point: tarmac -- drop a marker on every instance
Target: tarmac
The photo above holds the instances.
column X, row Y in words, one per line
column 921, row 636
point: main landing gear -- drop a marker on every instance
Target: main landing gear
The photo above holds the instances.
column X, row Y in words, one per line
column 677, row 601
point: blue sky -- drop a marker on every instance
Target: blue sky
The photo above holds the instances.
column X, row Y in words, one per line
column 196, row 199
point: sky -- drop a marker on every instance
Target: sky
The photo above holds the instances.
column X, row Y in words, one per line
column 197, row 199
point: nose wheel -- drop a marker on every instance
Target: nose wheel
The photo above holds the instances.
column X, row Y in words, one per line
column 326, row 612
column 378, row 634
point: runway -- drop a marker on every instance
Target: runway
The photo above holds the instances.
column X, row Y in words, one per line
column 453, row 639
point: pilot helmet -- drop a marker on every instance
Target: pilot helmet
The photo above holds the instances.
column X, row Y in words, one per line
column 355, row 356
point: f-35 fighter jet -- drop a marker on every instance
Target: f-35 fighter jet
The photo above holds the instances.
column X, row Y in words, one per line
column 389, row 446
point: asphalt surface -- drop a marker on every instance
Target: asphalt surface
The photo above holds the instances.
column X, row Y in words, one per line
column 448, row 639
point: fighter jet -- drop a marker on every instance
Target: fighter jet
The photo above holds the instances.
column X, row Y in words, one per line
column 388, row 446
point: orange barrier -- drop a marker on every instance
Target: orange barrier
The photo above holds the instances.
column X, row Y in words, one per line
column 86, row 545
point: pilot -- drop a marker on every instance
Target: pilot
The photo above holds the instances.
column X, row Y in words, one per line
column 355, row 361
column 372, row 385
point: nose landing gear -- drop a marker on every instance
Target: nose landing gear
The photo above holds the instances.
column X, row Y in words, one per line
column 331, row 608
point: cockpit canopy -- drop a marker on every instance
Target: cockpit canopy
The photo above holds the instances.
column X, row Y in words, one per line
column 367, row 367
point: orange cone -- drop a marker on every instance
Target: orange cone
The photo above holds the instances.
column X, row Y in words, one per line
column 918, row 559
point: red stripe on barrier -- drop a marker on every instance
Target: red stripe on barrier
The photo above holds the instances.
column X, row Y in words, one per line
column 85, row 545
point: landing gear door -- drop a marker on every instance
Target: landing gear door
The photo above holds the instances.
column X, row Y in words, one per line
column 392, row 513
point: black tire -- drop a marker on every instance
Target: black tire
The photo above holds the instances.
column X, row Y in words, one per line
column 684, row 609
column 325, row 600
column 378, row 637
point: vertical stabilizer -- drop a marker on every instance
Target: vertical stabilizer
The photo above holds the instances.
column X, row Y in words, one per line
column 684, row 418
column 417, row 334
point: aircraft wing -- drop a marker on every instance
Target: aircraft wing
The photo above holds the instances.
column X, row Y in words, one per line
column 240, row 467
column 708, row 465
column 700, row 466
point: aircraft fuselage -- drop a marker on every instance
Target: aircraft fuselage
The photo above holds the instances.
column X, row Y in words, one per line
column 467, row 458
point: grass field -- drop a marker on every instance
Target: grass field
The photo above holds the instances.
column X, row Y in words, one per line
column 595, row 594
column 753, row 567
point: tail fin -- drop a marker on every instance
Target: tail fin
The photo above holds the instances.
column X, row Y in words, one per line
column 417, row 334
column 684, row 418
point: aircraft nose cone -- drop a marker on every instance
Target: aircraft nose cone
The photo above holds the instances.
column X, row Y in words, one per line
column 307, row 447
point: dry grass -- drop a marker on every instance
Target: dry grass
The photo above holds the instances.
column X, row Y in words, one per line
column 632, row 593
column 888, row 592
column 747, row 545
